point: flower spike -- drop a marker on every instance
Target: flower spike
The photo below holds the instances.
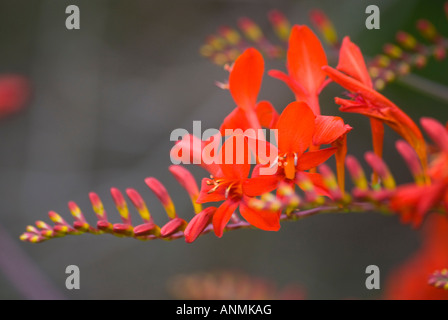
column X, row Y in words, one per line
column 250, row 197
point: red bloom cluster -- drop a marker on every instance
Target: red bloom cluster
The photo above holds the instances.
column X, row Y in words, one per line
column 301, row 131
column 243, row 181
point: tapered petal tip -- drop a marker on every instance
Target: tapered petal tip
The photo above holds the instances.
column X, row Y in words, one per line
column 436, row 131
column 245, row 78
column 173, row 226
column 197, row 225
column 135, row 198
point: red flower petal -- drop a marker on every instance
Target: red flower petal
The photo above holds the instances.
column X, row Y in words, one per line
column 312, row 159
column 295, row 128
column 266, row 113
column 328, row 129
column 305, row 59
column 235, row 157
column 351, row 61
column 223, row 215
column 262, row 219
column 257, row 186
column 198, row 224
column 245, row 78
column 235, row 120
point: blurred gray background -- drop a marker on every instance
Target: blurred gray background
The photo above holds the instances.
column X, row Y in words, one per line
column 105, row 99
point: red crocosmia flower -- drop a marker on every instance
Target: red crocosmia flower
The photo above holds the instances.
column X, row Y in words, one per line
column 410, row 280
column 14, row 93
column 352, row 75
column 413, row 201
column 296, row 128
column 227, row 185
column 244, row 85
column 305, row 59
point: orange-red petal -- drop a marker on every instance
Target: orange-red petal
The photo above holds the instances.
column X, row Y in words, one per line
column 235, row 157
column 259, row 185
column 262, row 219
column 245, row 78
column 235, row 120
column 328, row 129
column 266, row 113
column 312, row 159
column 295, row 128
column 305, row 59
column 351, row 62
column 223, row 215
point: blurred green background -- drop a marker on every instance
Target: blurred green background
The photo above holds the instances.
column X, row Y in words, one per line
column 105, row 99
